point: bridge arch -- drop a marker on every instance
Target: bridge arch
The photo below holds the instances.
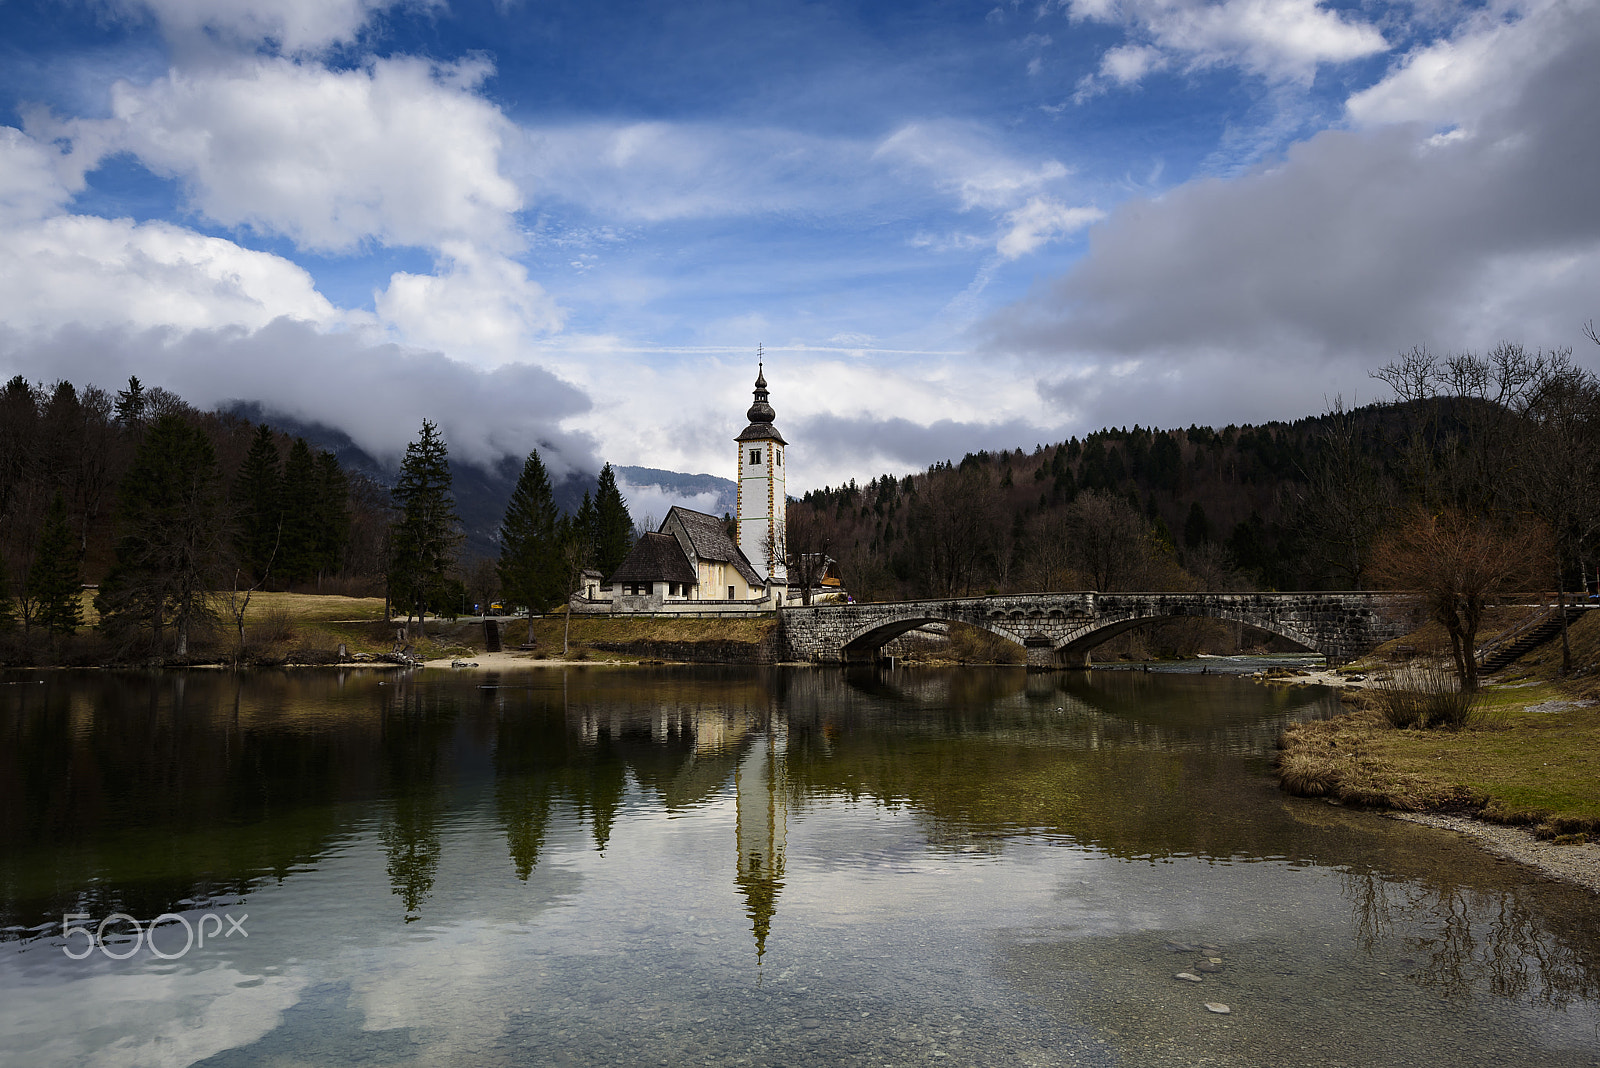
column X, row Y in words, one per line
column 865, row 643
column 1074, row 650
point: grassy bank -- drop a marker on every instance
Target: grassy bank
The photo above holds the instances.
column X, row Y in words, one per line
column 1531, row 756
column 310, row 628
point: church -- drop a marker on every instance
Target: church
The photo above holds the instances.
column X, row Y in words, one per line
column 693, row 564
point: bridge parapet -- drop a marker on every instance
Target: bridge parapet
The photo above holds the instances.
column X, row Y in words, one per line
column 1059, row 629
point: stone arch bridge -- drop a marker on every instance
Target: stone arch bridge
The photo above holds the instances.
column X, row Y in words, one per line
column 1060, row 629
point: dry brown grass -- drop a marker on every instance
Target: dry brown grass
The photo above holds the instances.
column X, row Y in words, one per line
column 317, row 607
column 1534, row 760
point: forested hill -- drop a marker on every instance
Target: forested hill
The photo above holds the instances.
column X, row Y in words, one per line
column 1280, row 505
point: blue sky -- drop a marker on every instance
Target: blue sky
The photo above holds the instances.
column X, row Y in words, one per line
column 952, row 225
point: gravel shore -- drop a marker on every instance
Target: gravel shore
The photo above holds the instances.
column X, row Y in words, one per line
column 1578, row 864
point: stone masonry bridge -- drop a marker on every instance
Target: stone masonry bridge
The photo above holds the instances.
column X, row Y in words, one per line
column 1060, row 629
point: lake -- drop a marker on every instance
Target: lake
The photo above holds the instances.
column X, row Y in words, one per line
column 739, row 865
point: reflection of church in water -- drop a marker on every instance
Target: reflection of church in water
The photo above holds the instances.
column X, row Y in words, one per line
column 761, row 788
column 752, row 748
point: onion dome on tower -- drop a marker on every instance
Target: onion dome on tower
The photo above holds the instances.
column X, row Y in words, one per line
column 761, row 415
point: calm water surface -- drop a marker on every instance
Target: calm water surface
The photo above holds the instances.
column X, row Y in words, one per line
column 740, row 866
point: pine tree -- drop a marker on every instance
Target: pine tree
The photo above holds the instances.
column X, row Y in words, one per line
column 131, row 403
column 613, row 526
column 530, row 571
column 298, row 548
column 333, row 514
column 171, row 551
column 53, row 581
column 258, row 494
column 424, row 539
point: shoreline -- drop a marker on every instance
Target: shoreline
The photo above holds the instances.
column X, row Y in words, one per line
column 1577, row 863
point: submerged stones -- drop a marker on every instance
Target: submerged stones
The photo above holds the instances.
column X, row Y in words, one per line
column 1218, row 1008
column 1189, row 977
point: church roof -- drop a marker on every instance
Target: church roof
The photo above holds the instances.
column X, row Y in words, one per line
column 709, row 540
column 761, row 432
column 656, row 558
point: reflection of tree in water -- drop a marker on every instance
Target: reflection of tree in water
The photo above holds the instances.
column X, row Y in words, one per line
column 414, row 740
column 145, row 793
column 1505, row 941
column 524, row 747
column 540, row 762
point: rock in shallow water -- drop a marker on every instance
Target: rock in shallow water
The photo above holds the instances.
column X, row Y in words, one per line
column 1189, row 977
column 1218, row 1008
column 1208, row 967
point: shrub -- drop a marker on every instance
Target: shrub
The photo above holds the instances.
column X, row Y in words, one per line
column 1426, row 694
column 272, row 627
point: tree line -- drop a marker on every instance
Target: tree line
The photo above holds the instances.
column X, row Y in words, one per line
column 160, row 506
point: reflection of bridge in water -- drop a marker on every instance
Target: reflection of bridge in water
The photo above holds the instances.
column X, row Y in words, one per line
column 1060, row 629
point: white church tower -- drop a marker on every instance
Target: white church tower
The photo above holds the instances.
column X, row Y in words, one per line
column 763, row 489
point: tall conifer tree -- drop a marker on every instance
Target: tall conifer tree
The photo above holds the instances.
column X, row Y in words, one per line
column 297, row 552
column 529, row 566
column 333, row 514
column 424, row 539
column 132, row 403
column 258, row 493
column 613, row 526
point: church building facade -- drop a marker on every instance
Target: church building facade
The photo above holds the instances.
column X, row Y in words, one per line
column 693, row 563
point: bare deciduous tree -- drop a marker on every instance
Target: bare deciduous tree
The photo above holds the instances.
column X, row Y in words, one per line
column 809, row 540
column 1110, row 541
column 1461, row 563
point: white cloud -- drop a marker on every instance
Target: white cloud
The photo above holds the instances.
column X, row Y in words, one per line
column 1041, row 220
column 1454, row 80
column 293, row 25
column 962, row 162
column 1127, row 64
column 400, row 152
column 29, row 186
column 479, row 307
column 96, row 272
column 1283, row 40
column 654, row 502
